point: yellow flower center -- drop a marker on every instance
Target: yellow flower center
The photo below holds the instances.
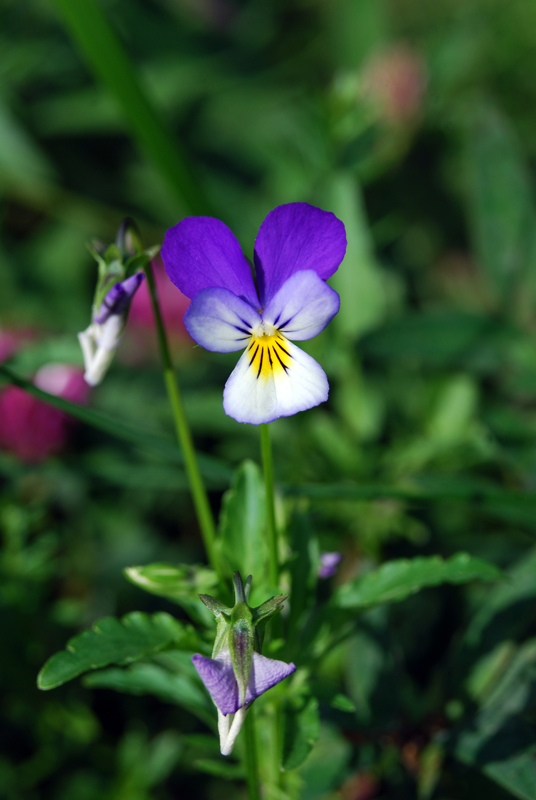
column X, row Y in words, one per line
column 268, row 353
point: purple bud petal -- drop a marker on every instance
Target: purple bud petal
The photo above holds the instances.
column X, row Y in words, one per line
column 118, row 299
column 265, row 673
column 328, row 564
column 218, row 676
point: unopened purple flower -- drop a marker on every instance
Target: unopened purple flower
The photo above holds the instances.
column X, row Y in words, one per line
column 237, row 673
column 297, row 249
column 101, row 339
column 328, row 564
column 218, row 676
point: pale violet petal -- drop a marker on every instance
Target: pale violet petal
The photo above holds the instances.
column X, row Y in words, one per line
column 265, row 673
column 218, row 677
column 273, row 379
column 220, row 321
column 302, row 307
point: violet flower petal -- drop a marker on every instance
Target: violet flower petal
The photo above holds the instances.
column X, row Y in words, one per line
column 118, row 299
column 302, row 307
column 201, row 252
column 281, row 383
column 218, row 677
column 220, row 321
column 265, row 673
column 293, row 237
column 328, row 564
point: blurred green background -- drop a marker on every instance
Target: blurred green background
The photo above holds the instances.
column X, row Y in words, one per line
column 414, row 122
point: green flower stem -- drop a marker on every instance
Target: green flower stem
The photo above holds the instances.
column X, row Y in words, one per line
column 197, row 486
column 268, row 468
column 252, row 769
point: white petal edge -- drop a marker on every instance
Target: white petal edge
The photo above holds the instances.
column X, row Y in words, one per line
column 220, row 321
column 302, row 307
column 256, row 401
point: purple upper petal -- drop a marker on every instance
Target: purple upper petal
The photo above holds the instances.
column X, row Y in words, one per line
column 119, row 297
column 293, row 237
column 218, row 676
column 201, row 252
column 265, row 673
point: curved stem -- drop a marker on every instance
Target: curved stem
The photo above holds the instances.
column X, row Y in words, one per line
column 197, row 486
column 268, row 469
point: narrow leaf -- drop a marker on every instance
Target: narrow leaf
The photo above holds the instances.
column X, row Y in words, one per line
column 213, row 470
column 242, row 524
column 181, row 583
column 302, row 729
column 396, row 580
column 103, row 52
column 112, row 641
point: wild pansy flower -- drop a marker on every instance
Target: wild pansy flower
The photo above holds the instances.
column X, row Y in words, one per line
column 297, row 249
column 237, row 673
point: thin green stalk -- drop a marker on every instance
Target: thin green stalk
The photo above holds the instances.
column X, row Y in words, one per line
column 268, row 468
column 197, row 486
column 252, row 768
column 105, row 55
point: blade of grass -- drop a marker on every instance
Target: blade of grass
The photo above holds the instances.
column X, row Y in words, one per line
column 215, row 471
column 106, row 57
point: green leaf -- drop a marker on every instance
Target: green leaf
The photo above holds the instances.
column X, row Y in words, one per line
column 499, row 738
column 302, row 729
column 501, row 211
column 182, row 584
column 221, row 769
column 140, row 679
column 242, row 524
column 112, row 641
column 517, row 774
column 359, row 276
column 396, row 580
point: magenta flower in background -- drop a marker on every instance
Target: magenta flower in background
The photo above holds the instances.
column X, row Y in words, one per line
column 173, row 305
column 31, row 429
column 297, row 249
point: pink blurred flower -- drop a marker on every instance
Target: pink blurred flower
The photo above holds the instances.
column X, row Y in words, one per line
column 173, row 304
column 10, row 342
column 140, row 333
column 395, row 80
column 31, row 429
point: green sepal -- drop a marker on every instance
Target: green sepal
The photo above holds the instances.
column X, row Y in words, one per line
column 241, row 645
column 263, row 614
column 216, row 606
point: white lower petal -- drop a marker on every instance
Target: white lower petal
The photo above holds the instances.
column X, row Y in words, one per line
column 273, row 379
column 226, row 748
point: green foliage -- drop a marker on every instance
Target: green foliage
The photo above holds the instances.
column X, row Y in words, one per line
column 427, row 444
column 182, row 584
column 243, row 524
column 396, row 580
column 113, row 641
